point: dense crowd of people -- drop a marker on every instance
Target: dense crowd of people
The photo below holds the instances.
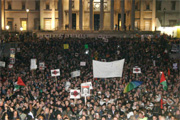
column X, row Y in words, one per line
column 45, row 98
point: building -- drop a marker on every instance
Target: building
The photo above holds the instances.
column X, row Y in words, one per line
column 52, row 15
column 168, row 16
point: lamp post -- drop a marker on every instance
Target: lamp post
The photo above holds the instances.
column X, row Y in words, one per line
column 21, row 29
column 7, row 27
column 27, row 10
column 164, row 16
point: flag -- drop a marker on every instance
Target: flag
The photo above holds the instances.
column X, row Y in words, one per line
column 161, row 103
column 75, row 94
column 86, row 46
column 163, row 81
column 75, row 73
column 168, row 72
column 66, row 46
column 136, row 70
column 108, row 69
column 55, row 72
column 175, row 66
column 19, row 84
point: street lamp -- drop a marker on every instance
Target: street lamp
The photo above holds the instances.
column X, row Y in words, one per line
column 7, row 27
column 164, row 15
column 21, row 29
column 27, row 10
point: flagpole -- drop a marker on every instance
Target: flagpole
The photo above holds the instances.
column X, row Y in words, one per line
column 85, row 99
column 56, row 80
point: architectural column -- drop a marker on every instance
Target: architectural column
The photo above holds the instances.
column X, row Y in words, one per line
column 133, row 14
column 60, row 14
column 0, row 20
column 112, row 14
column 53, row 16
column 122, row 15
column 153, row 15
column 42, row 14
column 91, row 15
column 141, row 15
column 70, row 14
column 80, row 14
column 101, row 14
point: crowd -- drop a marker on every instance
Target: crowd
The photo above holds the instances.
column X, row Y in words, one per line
column 44, row 98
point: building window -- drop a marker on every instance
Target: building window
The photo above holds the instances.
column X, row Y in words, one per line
column 47, row 6
column 158, row 5
column 72, row 4
column 24, row 24
column 37, row 5
column 36, row 24
column 56, row 5
column 23, row 6
column 172, row 22
column 10, row 23
column 173, row 5
column 147, row 6
column 9, row 6
column 137, row 6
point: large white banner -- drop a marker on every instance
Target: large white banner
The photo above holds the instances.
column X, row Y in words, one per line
column 33, row 64
column 2, row 64
column 75, row 94
column 75, row 73
column 108, row 69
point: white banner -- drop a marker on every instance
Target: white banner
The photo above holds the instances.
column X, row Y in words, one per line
column 85, row 90
column 136, row 70
column 82, row 63
column 2, row 64
column 75, row 94
column 154, row 62
column 41, row 66
column 75, row 73
column 12, row 50
column 90, row 84
column 33, row 65
column 108, row 69
column 55, row 72
column 175, row 66
column 18, row 49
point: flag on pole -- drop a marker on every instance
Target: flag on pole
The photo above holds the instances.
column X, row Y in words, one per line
column 168, row 72
column 19, row 84
column 161, row 103
column 136, row 70
column 163, row 81
column 55, row 72
column 108, row 69
column 75, row 94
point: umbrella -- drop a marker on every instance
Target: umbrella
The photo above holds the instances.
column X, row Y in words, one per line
column 132, row 85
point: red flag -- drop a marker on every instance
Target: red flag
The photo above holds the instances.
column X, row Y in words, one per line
column 168, row 72
column 161, row 103
column 20, row 82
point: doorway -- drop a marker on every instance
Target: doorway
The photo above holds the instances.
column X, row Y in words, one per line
column 96, row 22
column 74, row 21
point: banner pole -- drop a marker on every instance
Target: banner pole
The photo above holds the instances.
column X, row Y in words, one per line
column 56, row 79
column 85, row 99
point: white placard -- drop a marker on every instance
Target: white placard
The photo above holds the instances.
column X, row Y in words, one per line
column 85, row 90
column 75, row 94
column 82, row 63
column 2, row 64
column 41, row 65
column 10, row 66
column 136, row 70
column 75, row 73
column 90, row 84
column 18, row 50
column 175, row 66
column 33, row 65
column 55, row 72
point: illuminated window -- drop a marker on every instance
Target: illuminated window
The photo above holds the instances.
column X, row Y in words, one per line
column 24, row 24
